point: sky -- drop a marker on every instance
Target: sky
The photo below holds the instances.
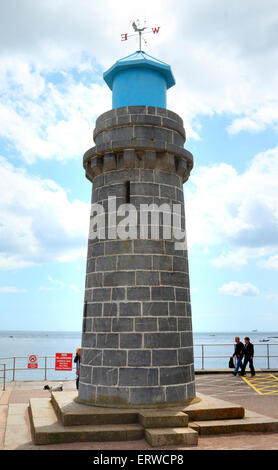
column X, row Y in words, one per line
column 224, row 56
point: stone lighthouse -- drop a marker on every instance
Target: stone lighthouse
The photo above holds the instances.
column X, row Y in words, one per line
column 137, row 345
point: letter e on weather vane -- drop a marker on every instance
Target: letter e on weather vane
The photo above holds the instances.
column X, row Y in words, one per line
column 140, row 31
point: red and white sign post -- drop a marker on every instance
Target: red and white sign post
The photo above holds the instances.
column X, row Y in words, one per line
column 33, row 361
column 63, row 361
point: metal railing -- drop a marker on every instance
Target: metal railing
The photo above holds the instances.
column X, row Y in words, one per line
column 12, row 365
column 267, row 356
column 13, row 368
column 3, row 375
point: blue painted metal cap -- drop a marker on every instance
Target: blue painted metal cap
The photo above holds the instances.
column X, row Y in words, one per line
column 139, row 79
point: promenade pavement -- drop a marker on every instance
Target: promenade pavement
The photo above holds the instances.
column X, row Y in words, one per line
column 15, row 429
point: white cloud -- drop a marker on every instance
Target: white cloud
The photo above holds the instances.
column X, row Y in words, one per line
column 12, row 290
column 231, row 259
column 270, row 263
column 38, row 223
column 226, row 68
column 266, row 115
column 237, row 212
column 56, row 33
column 237, row 289
column 57, row 124
column 57, row 285
column 220, row 66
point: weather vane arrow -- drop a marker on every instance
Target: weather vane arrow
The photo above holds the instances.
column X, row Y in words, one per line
column 140, row 31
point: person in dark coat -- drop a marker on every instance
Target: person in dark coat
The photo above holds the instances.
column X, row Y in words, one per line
column 248, row 357
column 239, row 351
column 77, row 361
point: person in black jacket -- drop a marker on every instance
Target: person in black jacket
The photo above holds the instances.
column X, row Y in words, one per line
column 239, row 351
column 77, row 361
column 248, row 357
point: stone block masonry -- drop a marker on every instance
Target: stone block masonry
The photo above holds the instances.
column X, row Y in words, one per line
column 137, row 347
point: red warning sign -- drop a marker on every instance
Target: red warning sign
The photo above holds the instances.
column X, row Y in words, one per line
column 32, row 365
column 63, row 361
column 33, row 361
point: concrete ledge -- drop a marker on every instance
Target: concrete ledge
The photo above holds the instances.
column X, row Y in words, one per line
column 203, row 408
column 72, row 413
column 213, row 409
column 171, row 436
column 252, row 422
column 46, row 429
column 163, row 419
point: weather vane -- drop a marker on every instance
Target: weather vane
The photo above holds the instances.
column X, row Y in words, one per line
column 140, row 31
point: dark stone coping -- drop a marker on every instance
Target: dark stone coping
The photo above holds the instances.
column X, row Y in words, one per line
column 138, row 144
column 147, row 110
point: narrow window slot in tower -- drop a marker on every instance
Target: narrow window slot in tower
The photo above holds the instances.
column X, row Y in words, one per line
column 84, row 317
column 127, row 192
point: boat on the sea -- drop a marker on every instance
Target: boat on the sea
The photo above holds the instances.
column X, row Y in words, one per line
column 264, row 340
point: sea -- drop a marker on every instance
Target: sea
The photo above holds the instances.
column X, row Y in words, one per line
column 216, row 348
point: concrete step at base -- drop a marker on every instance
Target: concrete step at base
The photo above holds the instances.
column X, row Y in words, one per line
column 47, row 429
column 252, row 422
column 160, row 427
column 171, row 436
column 162, row 419
column 73, row 414
column 209, row 408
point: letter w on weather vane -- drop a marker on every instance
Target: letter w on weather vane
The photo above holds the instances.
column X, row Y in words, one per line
column 140, row 31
